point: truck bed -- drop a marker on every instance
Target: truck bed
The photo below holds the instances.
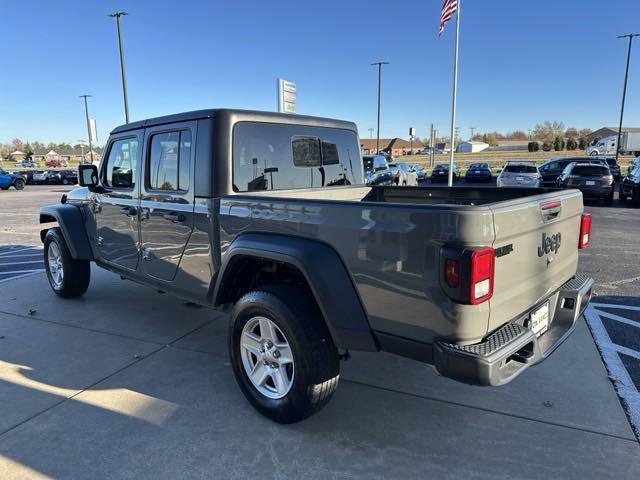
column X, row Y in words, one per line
column 391, row 239
column 469, row 196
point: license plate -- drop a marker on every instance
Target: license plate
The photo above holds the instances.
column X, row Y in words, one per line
column 520, row 179
column 590, row 182
column 540, row 319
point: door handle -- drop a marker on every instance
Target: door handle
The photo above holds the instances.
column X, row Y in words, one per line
column 174, row 217
column 129, row 211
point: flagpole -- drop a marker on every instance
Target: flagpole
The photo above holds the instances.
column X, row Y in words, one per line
column 453, row 102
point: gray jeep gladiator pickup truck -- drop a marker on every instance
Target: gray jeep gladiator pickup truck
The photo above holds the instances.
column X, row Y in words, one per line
column 268, row 216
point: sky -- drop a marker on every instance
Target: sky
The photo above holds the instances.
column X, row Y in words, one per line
column 521, row 62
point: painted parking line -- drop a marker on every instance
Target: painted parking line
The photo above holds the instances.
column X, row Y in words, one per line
column 19, row 261
column 616, row 335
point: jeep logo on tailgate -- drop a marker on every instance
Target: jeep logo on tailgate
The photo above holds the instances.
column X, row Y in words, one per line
column 550, row 243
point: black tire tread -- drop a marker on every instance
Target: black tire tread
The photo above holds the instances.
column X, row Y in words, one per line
column 322, row 353
column 77, row 273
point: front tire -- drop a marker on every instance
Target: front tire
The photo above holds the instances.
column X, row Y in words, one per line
column 282, row 354
column 18, row 184
column 67, row 277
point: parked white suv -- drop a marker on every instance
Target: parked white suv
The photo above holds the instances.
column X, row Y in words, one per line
column 519, row 174
column 404, row 174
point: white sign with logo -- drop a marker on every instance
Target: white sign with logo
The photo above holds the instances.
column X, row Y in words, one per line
column 287, row 96
column 93, row 131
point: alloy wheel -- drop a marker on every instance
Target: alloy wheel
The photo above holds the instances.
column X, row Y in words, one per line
column 267, row 357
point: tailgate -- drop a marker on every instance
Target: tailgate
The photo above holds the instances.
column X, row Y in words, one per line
column 536, row 246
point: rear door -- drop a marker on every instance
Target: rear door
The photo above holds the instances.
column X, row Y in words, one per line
column 536, row 248
column 167, row 200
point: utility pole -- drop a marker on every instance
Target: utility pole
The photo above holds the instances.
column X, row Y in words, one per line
column 371, row 133
column 86, row 114
column 379, row 65
column 624, row 88
column 473, row 129
column 432, row 142
column 117, row 16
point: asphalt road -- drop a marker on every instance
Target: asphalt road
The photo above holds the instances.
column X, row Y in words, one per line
column 126, row 383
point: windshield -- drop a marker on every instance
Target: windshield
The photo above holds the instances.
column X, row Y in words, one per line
column 442, row 167
column 590, row 170
column 479, row 165
column 520, row 169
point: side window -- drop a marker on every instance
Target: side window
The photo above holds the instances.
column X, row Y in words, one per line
column 169, row 161
column 120, row 171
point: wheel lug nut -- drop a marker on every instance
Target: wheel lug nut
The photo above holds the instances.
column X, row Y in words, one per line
column 276, row 354
column 265, row 363
column 274, row 365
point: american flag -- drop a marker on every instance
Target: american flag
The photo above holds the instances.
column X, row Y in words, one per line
column 449, row 7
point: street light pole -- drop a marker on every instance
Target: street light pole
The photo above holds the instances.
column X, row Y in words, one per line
column 624, row 88
column 86, row 113
column 379, row 64
column 117, row 16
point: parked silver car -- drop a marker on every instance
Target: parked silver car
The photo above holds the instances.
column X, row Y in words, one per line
column 519, row 174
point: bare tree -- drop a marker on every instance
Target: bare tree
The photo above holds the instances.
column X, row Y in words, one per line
column 548, row 131
column 585, row 132
column 571, row 133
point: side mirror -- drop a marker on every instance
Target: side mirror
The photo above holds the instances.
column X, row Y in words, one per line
column 88, row 176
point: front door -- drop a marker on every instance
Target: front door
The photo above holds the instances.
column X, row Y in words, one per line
column 166, row 199
column 116, row 208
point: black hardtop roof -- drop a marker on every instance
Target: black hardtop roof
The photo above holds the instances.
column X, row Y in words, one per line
column 235, row 115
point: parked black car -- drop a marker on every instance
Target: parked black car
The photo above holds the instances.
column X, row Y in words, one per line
column 478, row 172
column 67, row 177
column 553, row 168
column 441, row 173
column 630, row 186
column 594, row 180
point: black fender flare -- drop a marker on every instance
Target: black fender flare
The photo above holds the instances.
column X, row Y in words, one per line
column 71, row 222
column 326, row 275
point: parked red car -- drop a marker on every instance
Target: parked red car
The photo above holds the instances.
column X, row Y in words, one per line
column 55, row 163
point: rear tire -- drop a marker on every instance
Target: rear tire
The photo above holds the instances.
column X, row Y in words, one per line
column 636, row 197
column 312, row 369
column 18, row 184
column 68, row 278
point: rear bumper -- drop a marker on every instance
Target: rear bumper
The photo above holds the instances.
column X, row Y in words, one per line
column 599, row 192
column 512, row 348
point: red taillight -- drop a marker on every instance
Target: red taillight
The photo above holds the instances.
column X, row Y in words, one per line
column 481, row 275
column 585, row 231
column 452, row 273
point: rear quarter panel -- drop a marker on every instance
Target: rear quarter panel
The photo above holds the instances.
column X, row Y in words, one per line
column 390, row 250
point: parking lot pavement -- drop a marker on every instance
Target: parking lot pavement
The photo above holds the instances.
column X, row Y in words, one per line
column 129, row 383
column 126, row 382
column 17, row 261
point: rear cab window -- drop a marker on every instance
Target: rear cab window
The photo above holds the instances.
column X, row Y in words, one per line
column 268, row 156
